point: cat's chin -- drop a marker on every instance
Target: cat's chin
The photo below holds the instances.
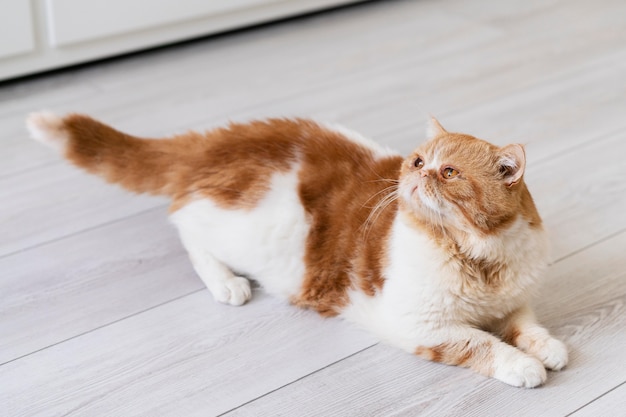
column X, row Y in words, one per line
column 420, row 204
column 419, row 212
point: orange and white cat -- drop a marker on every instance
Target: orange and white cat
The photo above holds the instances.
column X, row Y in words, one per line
column 437, row 253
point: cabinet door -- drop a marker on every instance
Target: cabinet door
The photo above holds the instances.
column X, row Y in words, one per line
column 16, row 28
column 73, row 21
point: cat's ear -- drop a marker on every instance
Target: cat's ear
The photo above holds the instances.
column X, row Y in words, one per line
column 434, row 128
column 512, row 163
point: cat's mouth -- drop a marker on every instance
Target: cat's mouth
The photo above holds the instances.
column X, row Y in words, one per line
column 422, row 202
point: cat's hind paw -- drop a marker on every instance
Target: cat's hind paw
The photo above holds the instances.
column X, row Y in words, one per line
column 521, row 371
column 234, row 291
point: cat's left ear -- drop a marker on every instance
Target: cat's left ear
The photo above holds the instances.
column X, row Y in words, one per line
column 434, row 128
column 512, row 163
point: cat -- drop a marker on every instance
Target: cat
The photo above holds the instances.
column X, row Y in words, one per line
column 437, row 253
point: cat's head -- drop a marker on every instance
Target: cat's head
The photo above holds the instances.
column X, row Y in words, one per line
column 459, row 181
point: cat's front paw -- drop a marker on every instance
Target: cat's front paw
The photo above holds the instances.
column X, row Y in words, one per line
column 234, row 291
column 551, row 352
column 521, row 371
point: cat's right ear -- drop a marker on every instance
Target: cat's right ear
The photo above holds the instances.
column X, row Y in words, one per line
column 512, row 163
column 434, row 128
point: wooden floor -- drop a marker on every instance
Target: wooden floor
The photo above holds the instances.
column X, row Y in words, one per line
column 102, row 315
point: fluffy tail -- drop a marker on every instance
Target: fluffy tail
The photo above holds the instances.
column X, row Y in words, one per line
column 140, row 165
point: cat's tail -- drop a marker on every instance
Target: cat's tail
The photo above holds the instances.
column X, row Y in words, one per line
column 140, row 165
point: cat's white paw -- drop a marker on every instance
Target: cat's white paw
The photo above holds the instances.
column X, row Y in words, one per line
column 521, row 371
column 551, row 352
column 234, row 291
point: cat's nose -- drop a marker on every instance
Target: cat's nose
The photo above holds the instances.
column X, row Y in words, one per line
column 424, row 173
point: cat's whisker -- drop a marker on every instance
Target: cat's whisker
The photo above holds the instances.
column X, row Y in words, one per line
column 393, row 188
column 430, row 220
column 440, row 222
column 393, row 181
column 382, row 204
column 374, row 213
column 370, row 223
column 381, row 178
column 435, row 222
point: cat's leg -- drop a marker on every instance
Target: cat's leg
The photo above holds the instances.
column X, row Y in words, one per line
column 484, row 353
column 225, row 286
column 521, row 329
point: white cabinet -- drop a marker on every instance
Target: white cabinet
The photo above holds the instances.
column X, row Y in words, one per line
column 16, row 28
column 73, row 21
column 37, row 35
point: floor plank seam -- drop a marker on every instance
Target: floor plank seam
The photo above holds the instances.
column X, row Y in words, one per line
column 101, row 326
column 78, row 232
column 31, row 169
column 577, row 147
column 549, row 80
column 296, row 380
column 594, row 400
column 597, row 242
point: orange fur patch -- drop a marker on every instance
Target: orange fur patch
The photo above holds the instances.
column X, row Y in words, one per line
column 510, row 335
column 477, row 356
column 341, row 182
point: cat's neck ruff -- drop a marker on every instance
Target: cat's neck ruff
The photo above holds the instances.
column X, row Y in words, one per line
column 518, row 240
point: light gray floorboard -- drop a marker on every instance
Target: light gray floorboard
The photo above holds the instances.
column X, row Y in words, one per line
column 576, row 203
column 101, row 313
column 90, row 280
column 186, row 357
column 44, row 204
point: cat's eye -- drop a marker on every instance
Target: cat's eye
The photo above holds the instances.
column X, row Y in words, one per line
column 449, row 173
column 418, row 163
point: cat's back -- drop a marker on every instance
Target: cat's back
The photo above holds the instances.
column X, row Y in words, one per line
column 234, row 165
